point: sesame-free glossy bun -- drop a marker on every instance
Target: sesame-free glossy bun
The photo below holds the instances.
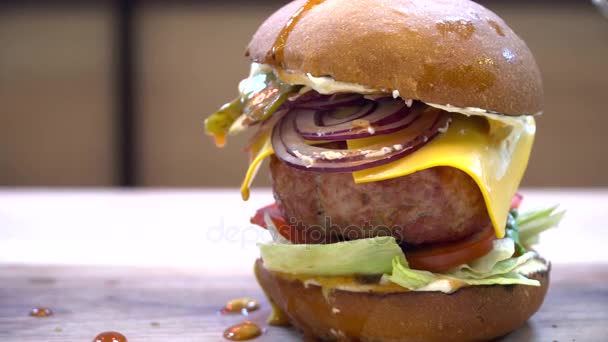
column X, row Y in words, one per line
column 476, row 313
column 438, row 51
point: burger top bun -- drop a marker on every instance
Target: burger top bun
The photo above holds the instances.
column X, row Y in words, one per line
column 452, row 52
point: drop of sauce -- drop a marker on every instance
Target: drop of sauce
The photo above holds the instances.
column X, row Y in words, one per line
column 240, row 306
column 276, row 53
column 110, row 336
column 242, row 331
column 464, row 28
column 41, row 312
column 278, row 317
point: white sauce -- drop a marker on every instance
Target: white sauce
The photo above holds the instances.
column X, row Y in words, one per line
column 327, row 85
column 441, row 285
column 444, row 128
column 331, row 155
column 532, row 266
column 445, row 285
column 308, row 161
column 381, row 152
column 468, row 111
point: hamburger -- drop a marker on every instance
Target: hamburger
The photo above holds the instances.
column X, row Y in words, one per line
column 397, row 134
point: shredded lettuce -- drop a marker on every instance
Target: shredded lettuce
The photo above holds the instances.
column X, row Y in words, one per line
column 496, row 267
column 409, row 278
column 503, row 265
column 507, row 262
column 500, row 265
column 532, row 223
column 502, row 249
column 366, row 256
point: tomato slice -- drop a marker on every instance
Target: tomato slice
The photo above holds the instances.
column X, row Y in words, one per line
column 291, row 233
column 272, row 210
column 516, row 201
column 441, row 257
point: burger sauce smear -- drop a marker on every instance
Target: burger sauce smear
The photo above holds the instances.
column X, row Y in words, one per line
column 276, row 53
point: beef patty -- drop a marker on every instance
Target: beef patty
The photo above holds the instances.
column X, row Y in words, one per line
column 439, row 204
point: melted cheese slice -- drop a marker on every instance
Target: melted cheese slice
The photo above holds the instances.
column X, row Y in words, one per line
column 260, row 149
column 344, row 283
column 493, row 154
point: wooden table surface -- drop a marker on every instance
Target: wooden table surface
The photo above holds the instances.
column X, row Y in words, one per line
column 157, row 265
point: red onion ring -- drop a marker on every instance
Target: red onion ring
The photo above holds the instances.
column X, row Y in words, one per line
column 372, row 130
column 325, row 118
column 331, row 101
column 387, row 117
column 292, row 148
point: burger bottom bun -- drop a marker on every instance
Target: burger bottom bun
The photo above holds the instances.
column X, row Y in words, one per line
column 476, row 313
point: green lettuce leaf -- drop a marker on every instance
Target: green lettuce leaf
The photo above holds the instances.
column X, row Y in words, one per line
column 409, row 278
column 501, row 267
column 532, row 223
column 366, row 256
column 502, row 249
column 509, row 278
column 512, row 231
column 504, row 272
column 505, row 264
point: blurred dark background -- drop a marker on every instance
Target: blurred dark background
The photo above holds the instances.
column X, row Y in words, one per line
column 114, row 93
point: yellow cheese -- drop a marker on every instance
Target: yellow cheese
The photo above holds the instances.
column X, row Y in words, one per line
column 343, row 283
column 494, row 155
column 259, row 150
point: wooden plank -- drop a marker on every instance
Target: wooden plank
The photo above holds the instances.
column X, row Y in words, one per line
column 155, row 304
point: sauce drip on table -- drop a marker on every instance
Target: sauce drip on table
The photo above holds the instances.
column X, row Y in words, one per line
column 240, row 306
column 41, row 312
column 276, row 53
column 242, row 331
column 110, row 336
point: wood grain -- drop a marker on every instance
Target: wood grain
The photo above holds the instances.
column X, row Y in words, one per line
column 155, row 304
